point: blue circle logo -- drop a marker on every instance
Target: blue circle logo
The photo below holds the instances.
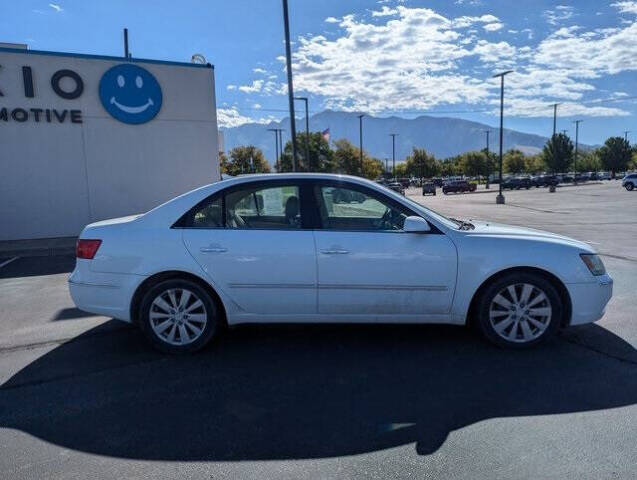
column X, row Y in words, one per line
column 130, row 94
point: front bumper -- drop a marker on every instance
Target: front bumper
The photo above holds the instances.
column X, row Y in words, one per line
column 588, row 300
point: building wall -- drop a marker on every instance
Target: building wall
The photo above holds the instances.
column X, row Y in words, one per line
column 58, row 176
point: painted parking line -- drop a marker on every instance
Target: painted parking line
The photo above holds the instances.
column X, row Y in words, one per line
column 7, row 262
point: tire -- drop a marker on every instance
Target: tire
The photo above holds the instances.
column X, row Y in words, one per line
column 497, row 321
column 629, row 186
column 172, row 322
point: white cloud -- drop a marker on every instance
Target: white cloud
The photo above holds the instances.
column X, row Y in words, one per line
column 385, row 12
column 230, row 117
column 417, row 59
column 256, row 86
column 56, row 7
column 332, row 20
column 626, row 7
column 231, row 87
column 559, row 14
column 259, row 70
column 492, row 27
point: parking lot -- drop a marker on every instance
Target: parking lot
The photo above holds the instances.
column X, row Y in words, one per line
column 83, row 393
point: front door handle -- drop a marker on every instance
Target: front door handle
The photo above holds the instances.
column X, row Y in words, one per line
column 334, row 251
column 213, row 249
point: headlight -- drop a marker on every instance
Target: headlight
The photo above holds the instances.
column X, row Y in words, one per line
column 594, row 263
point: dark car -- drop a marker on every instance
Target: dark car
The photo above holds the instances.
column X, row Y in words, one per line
column 545, row 181
column 438, row 182
column 516, row 183
column 567, row 179
column 396, row 187
column 456, row 186
column 428, row 187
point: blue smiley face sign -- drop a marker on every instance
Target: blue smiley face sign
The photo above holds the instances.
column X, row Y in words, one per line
column 130, row 94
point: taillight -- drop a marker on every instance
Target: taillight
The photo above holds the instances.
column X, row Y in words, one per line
column 87, row 248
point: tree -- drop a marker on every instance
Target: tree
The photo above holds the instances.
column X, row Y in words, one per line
column 587, row 162
column 514, row 162
column 401, row 170
column 558, row 153
column 321, row 157
column 247, row 159
column 615, row 154
column 451, row 166
column 223, row 163
column 534, row 164
column 347, row 160
column 474, row 164
column 421, row 164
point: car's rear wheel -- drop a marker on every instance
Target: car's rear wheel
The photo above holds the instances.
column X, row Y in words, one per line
column 519, row 310
column 178, row 316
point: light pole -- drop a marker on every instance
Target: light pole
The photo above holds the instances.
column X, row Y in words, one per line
column 577, row 122
column 626, row 132
column 564, row 131
column 500, row 198
column 488, row 159
column 276, row 146
column 555, row 116
column 288, row 58
column 360, row 136
column 307, row 132
column 386, row 165
column 393, row 154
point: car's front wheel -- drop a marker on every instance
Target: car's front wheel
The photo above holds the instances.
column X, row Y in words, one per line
column 629, row 186
column 178, row 316
column 519, row 310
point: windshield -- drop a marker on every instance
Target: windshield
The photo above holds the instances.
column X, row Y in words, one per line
column 447, row 221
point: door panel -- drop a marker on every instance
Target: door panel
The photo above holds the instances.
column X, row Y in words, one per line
column 385, row 273
column 367, row 264
column 263, row 271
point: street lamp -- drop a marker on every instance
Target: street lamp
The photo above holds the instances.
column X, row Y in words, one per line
column 276, row 146
column 577, row 122
column 500, row 198
column 393, row 154
column 488, row 159
column 288, row 58
column 360, row 124
column 307, row 132
column 555, row 105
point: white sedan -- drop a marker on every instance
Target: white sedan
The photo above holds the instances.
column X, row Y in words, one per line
column 321, row 248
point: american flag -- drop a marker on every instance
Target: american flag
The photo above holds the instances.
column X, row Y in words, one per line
column 326, row 134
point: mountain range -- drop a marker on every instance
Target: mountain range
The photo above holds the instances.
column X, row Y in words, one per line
column 442, row 136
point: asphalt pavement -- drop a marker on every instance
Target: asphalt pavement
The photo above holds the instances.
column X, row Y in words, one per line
column 83, row 395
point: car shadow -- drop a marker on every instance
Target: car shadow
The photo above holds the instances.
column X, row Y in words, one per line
column 292, row 392
column 37, row 266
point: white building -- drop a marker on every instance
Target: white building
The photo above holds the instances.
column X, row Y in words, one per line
column 84, row 138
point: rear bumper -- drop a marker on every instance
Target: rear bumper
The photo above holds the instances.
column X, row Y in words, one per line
column 589, row 300
column 105, row 294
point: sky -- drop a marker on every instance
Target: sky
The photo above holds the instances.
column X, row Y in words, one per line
column 383, row 57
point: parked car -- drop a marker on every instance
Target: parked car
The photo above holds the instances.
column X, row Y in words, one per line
column 458, row 186
column 580, row 178
column 566, row 178
column 549, row 180
column 516, row 183
column 629, row 182
column 428, row 187
column 438, row 182
column 603, row 175
column 181, row 272
column 396, row 187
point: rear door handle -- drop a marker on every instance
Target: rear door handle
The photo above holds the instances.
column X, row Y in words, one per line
column 213, row 249
column 334, row 251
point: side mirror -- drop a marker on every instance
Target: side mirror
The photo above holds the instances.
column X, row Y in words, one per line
column 416, row 224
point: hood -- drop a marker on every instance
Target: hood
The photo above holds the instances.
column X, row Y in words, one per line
column 509, row 231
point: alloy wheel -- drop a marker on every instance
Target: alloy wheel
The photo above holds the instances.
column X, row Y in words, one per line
column 178, row 316
column 520, row 312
